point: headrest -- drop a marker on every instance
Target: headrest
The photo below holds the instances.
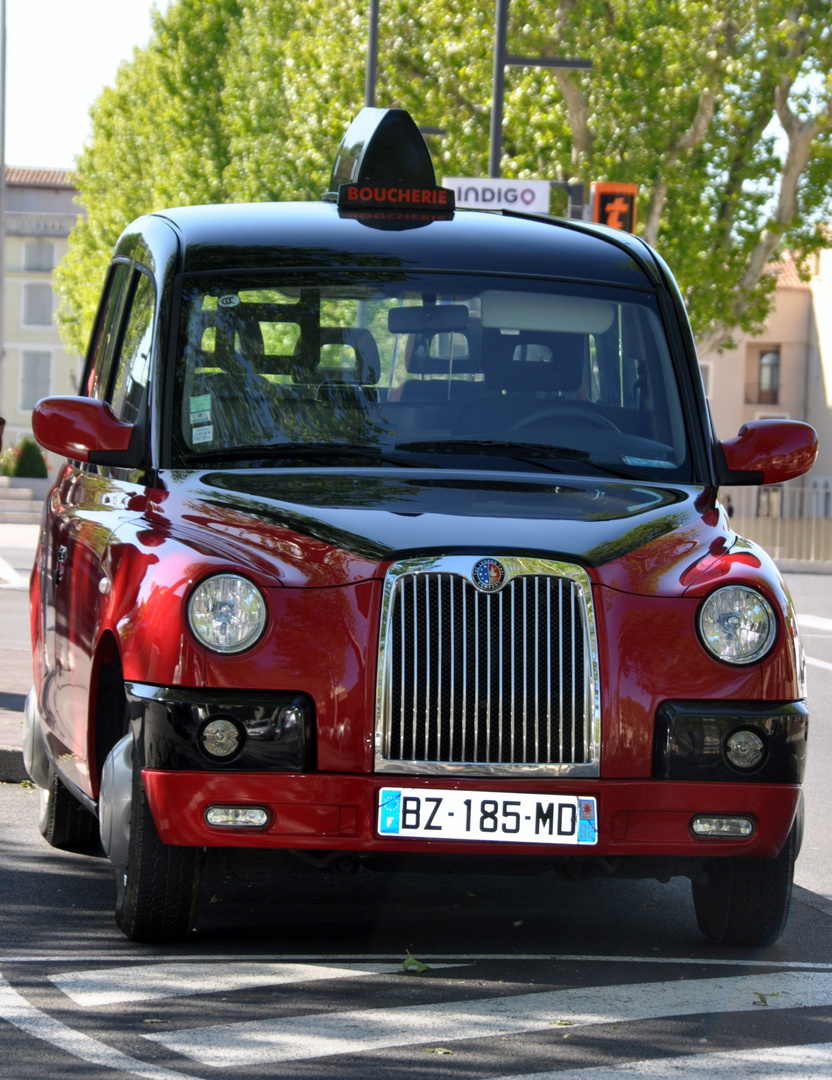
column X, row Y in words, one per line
column 455, row 353
column 367, row 361
column 544, row 362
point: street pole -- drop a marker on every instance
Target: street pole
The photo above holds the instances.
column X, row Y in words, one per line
column 499, row 83
column 372, row 56
column 502, row 60
column 2, row 201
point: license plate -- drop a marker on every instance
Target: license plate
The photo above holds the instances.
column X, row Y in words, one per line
column 505, row 817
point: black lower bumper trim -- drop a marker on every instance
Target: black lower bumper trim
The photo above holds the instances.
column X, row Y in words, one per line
column 276, row 730
column 690, row 736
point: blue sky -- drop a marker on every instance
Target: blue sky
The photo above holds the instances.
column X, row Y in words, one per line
column 60, row 54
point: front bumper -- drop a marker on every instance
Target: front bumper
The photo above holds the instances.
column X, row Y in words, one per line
column 329, row 811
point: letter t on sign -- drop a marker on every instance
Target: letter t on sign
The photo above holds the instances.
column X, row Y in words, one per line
column 615, row 205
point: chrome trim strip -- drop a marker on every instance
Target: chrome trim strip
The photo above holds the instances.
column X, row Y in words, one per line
column 578, row 605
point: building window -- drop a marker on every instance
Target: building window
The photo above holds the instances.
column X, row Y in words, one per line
column 769, row 377
column 38, row 255
column 37, row 305
column 35, row 378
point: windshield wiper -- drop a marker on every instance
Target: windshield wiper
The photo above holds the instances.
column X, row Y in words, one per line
column 537, row 453
column 294, row 451
column 493, row 446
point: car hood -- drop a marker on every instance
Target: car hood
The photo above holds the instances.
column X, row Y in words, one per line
column 319, row 527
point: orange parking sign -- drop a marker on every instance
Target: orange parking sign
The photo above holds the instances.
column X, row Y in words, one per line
column 615, row 205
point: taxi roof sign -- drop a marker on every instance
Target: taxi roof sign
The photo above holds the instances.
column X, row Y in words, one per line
column 383, row 163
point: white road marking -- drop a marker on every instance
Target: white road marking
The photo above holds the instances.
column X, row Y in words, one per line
column 771, row 1062
column 119, row 986
column 815, row 622
column 16, row 1010
column 9, row 577
column 386, row 958
column 299, row 1038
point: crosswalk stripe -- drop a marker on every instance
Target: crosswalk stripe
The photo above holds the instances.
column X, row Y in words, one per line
column 771, row 1062
column 16, row 1010
column 120, row 986
column 296, row 1038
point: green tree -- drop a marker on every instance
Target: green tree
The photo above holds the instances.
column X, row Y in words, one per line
column 686, row 99
column 157, row 140
column 719, row 109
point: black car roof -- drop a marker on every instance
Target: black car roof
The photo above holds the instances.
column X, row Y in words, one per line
column 310, row 234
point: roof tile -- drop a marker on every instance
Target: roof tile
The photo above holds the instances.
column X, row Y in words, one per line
column 787, row 273
column 43, row 178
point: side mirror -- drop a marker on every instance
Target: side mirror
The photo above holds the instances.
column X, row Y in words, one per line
column 768, row 452
column 86, row 429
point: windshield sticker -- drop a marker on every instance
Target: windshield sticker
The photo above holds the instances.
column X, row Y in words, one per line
column 228, row 301
column 200, row 404
column 202, row 434
column 648, row 463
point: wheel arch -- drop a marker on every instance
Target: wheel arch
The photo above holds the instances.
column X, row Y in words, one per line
column 108, row 706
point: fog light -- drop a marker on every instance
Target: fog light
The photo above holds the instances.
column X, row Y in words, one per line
column 237, row 817
column 745, row 749
column 708, row 825
column 220, row 738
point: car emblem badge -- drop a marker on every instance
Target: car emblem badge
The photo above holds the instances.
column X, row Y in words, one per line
column 488, row 575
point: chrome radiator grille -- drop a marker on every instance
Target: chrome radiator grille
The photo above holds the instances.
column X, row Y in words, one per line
column 483, row 682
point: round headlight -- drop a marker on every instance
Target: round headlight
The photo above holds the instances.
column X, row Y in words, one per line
column 737, row 624
column 227, row 613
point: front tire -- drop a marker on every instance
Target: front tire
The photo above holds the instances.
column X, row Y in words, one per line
column 746, row 901
column 158, row 890
column 63, row 822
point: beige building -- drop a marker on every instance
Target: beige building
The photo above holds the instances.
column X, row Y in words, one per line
column 39, row 214
column 787, row 370
column 819, row 378
column 765, row 376
column 784, row 372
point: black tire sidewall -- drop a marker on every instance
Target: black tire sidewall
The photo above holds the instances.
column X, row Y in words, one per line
column 746, row 901
column 157, row 893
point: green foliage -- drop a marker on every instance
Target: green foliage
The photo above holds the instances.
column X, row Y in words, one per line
column 248, row 99
column 25, row 459
column 155, row 143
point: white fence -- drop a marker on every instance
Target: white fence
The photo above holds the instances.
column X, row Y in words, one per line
column 794, row 524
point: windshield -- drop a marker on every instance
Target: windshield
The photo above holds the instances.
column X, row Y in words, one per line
column 429, row 370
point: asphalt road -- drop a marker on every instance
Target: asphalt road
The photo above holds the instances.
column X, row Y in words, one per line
column 302, row 975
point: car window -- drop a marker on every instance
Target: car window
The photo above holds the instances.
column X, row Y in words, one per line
column 389, row 363
column 131, row 374
column 104, row 333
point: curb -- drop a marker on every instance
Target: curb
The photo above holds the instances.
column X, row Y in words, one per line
column 12, row 770
column 11, row 766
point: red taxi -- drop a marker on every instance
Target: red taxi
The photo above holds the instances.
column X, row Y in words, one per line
column 390, row 532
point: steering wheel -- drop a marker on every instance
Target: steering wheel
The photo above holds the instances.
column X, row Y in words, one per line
column 587, row 416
